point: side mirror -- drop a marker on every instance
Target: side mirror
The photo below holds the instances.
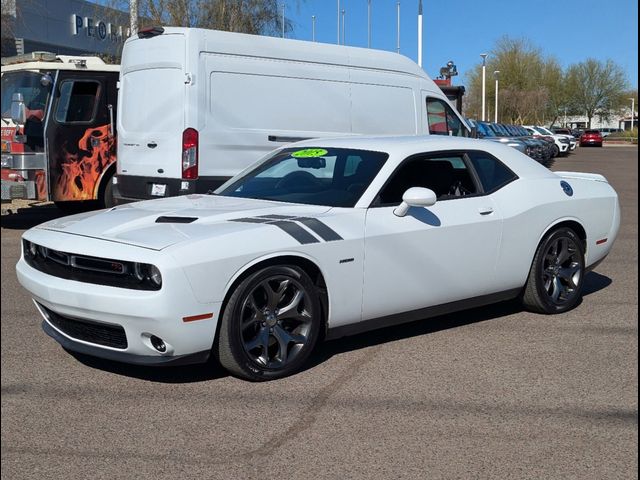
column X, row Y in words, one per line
column 46, row 80
column 415, row 197
column 18, row 110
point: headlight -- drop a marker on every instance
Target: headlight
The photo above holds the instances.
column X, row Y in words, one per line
column 145, row 272
column 31, row 248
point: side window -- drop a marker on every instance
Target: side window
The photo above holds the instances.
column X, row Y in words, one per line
column 447, row 176
column 493, row 174
column 77, row 102
column 442, row 119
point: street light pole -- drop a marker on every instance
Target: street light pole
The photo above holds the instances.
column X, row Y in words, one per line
column 283, row 7
column 133, row 17
column 398, row 39
column 313, row 28
column 496, row 74
column 633, row 108
column 344, row 37
column 369, row 23
column 420, row 34
column 484, row 85
column 338, row 22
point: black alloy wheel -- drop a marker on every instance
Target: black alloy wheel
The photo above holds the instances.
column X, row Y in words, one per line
column 557, row 273
column 270, row 324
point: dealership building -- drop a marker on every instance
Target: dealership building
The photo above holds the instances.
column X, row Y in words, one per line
column 67, row 27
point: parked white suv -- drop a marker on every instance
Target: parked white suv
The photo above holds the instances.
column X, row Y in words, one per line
column 562, row 142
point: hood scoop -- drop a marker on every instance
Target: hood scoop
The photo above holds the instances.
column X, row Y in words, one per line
column 165, row 219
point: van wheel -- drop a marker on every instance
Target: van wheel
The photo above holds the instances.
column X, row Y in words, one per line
column 69, row 208
column 270, row 324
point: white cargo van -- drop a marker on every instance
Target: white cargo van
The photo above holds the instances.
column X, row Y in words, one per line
column 197, row 106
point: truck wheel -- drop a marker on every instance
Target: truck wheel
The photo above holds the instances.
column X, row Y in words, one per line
column 105, row 197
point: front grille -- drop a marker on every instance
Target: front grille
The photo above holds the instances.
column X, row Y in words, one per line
column 108, row 335
column 83, row 268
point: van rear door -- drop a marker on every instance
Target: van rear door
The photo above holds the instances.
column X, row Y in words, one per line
column 151, row 107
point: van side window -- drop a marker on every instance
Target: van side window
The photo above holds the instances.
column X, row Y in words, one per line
column 447, row 176
column 77, row 102
column 442, row 120
column 493, row 174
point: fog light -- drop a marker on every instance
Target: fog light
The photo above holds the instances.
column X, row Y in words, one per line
column 158, row 344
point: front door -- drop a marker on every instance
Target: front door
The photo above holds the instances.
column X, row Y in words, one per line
column 434, row 255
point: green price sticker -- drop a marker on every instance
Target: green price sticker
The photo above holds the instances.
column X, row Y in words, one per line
column 309, row 153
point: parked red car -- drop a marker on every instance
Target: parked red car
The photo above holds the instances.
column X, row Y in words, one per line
column 591, row 137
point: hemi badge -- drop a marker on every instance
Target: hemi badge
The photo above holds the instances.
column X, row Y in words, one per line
column 600, row 242
column 204, row 316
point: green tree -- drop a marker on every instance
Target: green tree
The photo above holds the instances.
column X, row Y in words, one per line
column 596, row 87
column 531, row 86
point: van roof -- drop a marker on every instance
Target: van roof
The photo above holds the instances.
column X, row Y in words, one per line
column 216, row 41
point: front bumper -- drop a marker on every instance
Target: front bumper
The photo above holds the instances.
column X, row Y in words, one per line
column 140, row 314
column 124, row 357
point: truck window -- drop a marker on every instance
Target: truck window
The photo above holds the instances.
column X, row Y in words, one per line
column 442, row 120
column 77, row 102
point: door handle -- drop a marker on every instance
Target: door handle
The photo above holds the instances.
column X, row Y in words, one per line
column 485, row 210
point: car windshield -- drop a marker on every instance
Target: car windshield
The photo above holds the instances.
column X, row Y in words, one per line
column 28, row 84
column 543, row 130
column 335, row 177
column 484, row 129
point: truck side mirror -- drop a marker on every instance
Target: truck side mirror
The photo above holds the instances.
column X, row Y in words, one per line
column 18, row 109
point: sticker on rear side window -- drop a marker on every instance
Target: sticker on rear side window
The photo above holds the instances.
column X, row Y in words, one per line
column 309, row 153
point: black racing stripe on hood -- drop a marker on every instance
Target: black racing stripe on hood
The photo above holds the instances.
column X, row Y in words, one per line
column 292, row 229
column 322, row 229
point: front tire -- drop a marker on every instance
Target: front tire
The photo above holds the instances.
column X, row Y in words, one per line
column 557, row 274
column 270, row 324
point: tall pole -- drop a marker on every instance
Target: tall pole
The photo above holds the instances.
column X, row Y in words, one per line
column 398, row 40
column 496, row 74
column 313, row 28
column 133, row 17
column 484, row 85
column 420, row 34
column 338, row 22
column 369, row 23
column 344, row 37
column 565, row 116
column 633, row 110
column 283, row 7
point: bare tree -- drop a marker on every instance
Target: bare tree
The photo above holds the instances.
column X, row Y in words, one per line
column 262, row 17
column 597, row 88
column 8, row 27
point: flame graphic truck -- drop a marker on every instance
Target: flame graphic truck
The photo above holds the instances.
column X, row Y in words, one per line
column 58, row 129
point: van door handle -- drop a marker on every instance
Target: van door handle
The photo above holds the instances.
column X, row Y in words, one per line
column 152, row 144
column 485, row 210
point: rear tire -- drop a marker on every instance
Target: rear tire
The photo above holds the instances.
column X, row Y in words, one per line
column 270, row 324
column 557, row 273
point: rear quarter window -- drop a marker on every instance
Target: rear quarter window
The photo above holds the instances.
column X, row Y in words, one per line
column 492, row 173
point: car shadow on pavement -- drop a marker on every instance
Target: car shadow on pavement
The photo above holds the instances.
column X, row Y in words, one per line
column 211, row 370
column 593, row 282
column 28, row 217
column 201, row 372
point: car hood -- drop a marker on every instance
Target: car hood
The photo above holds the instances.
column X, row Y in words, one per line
column 158, row 224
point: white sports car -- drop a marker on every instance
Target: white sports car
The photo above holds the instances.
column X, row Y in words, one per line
column 318, row 240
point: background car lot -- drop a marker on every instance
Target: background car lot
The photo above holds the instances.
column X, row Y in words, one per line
column 492, row 392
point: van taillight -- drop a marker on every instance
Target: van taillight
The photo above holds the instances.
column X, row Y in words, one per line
column 190, row 154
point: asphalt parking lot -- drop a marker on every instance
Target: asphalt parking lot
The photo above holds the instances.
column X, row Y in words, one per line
column 487, row 393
